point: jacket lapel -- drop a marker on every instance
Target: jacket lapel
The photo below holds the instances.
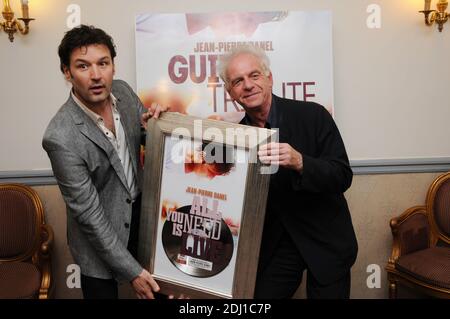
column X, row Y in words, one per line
column 284, row 135
column 89, row 129
column 128, row 125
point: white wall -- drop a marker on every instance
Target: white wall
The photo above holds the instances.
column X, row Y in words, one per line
column 390, row 83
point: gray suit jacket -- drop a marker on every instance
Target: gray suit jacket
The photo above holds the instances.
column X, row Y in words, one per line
column 93, row 184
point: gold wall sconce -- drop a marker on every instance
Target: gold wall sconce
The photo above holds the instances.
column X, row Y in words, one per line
column 11, row 25
column 440, row 15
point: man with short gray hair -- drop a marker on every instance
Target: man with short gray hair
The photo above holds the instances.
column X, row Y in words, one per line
column 308, row 224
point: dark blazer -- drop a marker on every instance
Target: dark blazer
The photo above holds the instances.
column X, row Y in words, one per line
column 94, row 187
column 311, row 206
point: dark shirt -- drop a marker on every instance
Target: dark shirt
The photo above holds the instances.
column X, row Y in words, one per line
column 271, row 122
column 310, row 206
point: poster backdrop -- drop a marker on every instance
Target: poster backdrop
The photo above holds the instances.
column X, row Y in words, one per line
column 177, row 56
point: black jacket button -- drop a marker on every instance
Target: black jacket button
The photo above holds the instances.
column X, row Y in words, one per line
column 127, row 225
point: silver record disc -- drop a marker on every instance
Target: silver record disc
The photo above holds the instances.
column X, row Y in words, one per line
column 199, row 247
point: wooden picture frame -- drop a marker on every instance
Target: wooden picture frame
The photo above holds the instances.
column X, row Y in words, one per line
column 238, row 279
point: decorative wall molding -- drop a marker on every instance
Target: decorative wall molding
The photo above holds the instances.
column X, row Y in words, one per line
column 32, row 178
column 359, row 167
column 400, row 166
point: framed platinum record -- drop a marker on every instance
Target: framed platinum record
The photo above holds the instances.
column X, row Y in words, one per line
column 203, row 205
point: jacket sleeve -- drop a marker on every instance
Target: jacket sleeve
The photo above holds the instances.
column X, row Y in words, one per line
column 82, row 199
column 329, row 169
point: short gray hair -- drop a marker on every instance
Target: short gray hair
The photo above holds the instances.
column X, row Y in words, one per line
column 257, row 52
